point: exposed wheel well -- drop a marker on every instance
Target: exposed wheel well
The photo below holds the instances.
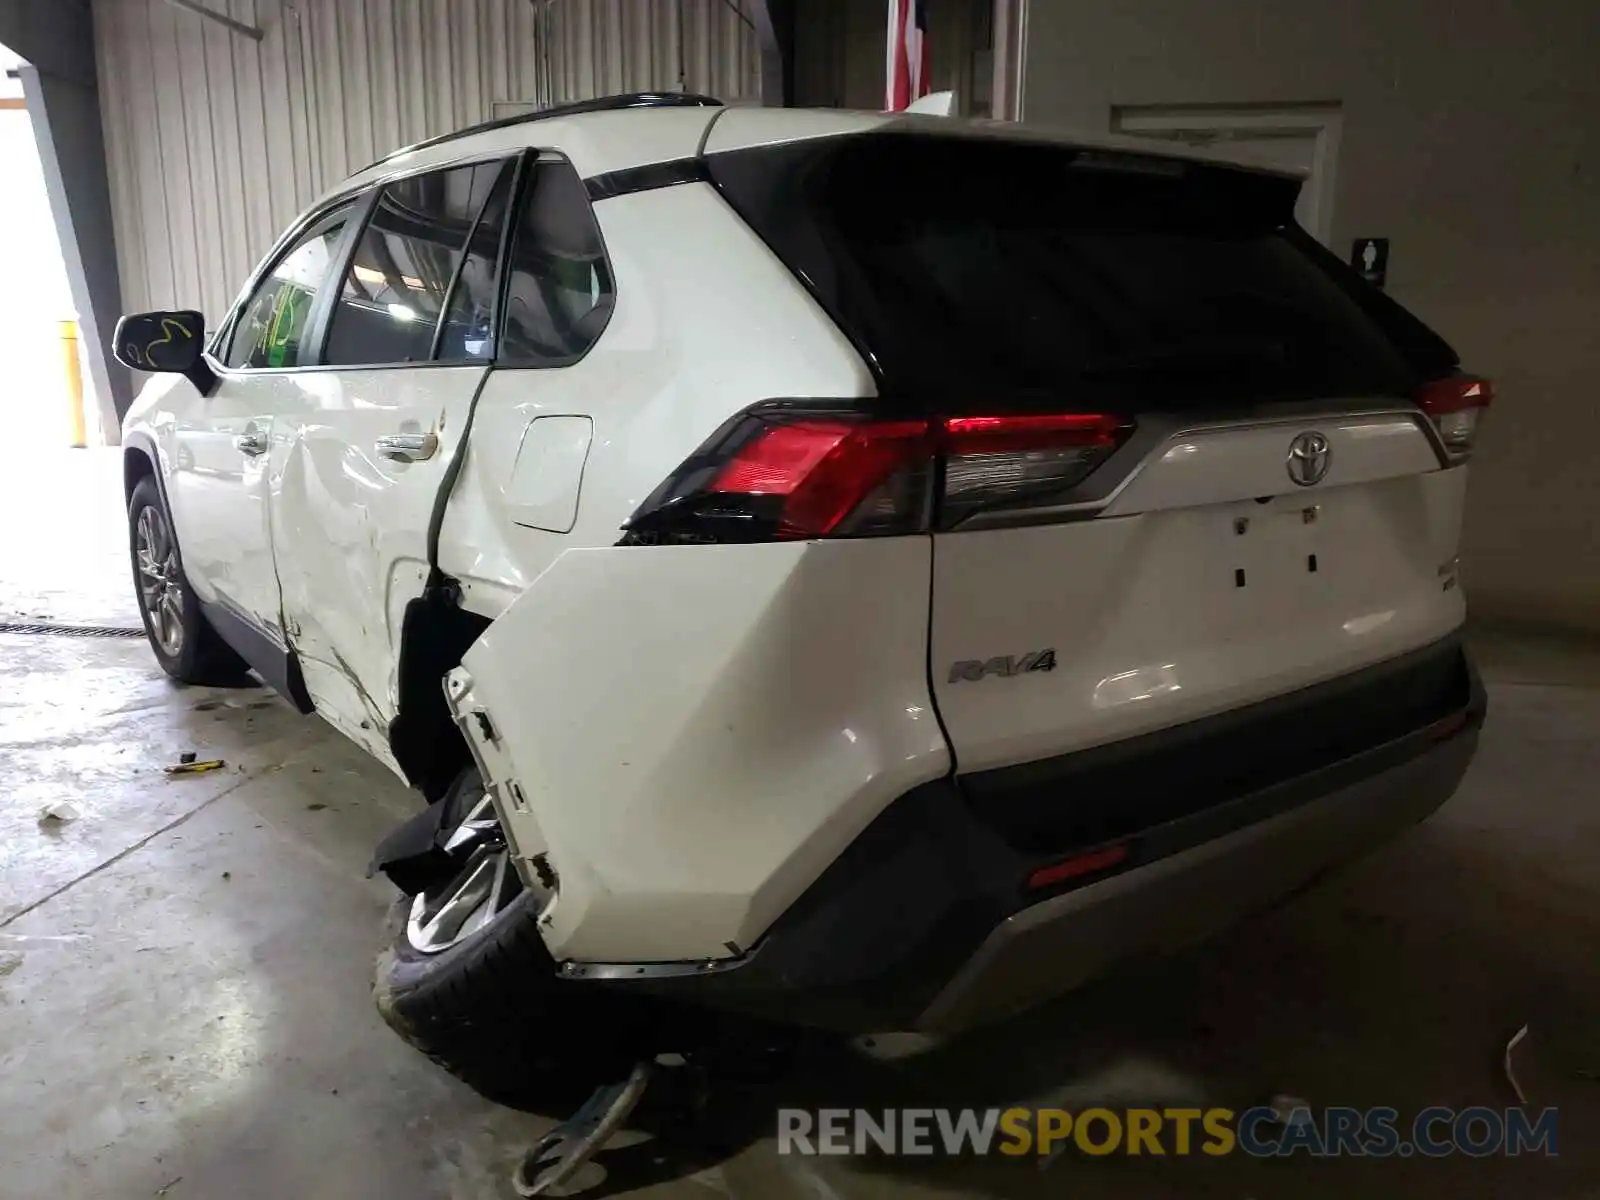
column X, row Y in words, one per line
column 424, row 739
column 136, row 465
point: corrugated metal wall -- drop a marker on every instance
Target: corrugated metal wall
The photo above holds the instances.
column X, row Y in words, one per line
column 217, row 141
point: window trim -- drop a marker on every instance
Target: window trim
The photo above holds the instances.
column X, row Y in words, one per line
column 325, row 315
column 222, row 341
column 362, row 198
column 525, row 184
column 518, row 168
column 316, row 339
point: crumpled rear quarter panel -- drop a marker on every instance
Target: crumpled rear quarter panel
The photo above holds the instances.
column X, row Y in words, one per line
column 699, row 730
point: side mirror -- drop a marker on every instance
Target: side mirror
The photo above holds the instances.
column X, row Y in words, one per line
column 172, row 342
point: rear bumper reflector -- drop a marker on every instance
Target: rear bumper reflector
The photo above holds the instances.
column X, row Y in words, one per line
column 1078, row 865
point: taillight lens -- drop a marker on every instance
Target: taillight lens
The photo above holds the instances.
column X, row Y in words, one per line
column 823, row 470
column 1456, row 405
column 789, row 470
column 1014, row 462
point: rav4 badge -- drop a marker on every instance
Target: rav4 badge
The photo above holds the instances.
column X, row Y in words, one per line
column 974, row 669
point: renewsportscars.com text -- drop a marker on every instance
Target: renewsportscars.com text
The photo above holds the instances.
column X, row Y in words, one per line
column 1331, row 1132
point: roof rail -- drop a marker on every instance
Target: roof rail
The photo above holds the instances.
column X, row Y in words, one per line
column 598, row 104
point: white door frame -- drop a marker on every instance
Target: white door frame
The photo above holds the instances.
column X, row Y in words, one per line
column 1214, row 125
column 1010, row 27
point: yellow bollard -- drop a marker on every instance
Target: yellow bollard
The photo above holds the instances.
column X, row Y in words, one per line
column 69, row 350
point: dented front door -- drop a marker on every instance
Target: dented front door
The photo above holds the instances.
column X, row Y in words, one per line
column 354, row 497
column 404, row 352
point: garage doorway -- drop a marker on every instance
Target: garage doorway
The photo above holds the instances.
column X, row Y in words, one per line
column 35, row 297
column 1300, row 137
column 66, row 558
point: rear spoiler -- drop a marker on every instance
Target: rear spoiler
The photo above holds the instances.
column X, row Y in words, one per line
column 934, row 104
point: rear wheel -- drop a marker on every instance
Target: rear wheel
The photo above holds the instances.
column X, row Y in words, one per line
column 184, row 643
column 465, row 977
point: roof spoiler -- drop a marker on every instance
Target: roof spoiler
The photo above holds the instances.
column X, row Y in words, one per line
column 934, row 104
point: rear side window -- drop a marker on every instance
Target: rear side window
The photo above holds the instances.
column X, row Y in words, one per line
column 981, row 271
column 559, row 295
column 272, row 324
column 404, row 265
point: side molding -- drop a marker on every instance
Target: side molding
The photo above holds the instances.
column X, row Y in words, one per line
column 278, row 665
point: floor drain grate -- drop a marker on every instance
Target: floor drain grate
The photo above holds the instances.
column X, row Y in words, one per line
column 52, row 629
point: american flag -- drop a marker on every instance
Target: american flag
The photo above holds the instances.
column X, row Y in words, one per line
column 907, row 74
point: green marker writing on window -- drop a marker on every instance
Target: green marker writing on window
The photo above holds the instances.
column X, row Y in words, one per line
column 283, row 334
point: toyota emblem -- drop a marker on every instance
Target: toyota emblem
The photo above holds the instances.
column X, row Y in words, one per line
column 1309, row 456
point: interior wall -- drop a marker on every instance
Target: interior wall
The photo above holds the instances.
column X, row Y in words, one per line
column 217, row 141
column 1471, row 138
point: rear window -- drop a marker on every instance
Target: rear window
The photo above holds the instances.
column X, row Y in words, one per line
column 977, row 271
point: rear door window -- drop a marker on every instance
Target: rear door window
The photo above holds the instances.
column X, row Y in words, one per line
column 404, row 265
column 978, row 270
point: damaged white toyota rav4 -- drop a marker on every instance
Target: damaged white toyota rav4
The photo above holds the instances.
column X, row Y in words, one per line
column 864, row 571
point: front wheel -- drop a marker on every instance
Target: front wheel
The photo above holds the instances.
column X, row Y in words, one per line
column 185, row 645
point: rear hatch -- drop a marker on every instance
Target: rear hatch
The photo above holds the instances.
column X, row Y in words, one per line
column 1188, row 461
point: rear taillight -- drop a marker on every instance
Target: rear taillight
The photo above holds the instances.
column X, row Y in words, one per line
column 823, row 471
column 1013, row 462
column 1456, row 405
column 789, row 470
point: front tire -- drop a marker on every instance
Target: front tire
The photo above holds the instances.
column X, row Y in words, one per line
column 185, row 644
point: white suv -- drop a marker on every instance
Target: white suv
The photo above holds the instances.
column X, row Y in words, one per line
column 864, row 570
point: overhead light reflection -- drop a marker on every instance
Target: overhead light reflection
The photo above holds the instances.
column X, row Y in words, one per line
column 1357, row 626
column 1142, row 683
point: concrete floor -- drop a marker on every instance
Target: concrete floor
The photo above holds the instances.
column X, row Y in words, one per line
column 184, row 1005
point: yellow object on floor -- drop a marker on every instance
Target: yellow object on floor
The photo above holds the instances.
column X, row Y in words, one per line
column 196, row 768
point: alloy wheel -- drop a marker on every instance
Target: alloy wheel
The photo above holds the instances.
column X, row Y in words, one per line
column 479, row 892
column 160, row 581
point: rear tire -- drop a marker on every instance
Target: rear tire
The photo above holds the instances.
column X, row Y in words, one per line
column 490, row 1009
column 185, row 644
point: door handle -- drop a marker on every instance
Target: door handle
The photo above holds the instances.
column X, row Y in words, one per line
column 407, row 447
column 251, row 442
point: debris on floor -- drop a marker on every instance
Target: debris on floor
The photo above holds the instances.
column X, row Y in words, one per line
column 892, row 1047
column 556, row 1157
column 59, row 812
column 9, row 963
column 1511, row 1075
column 187, row 757
column 189, row 767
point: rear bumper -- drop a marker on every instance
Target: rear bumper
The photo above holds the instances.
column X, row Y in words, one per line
column 1052, row 946
column 926, row 921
